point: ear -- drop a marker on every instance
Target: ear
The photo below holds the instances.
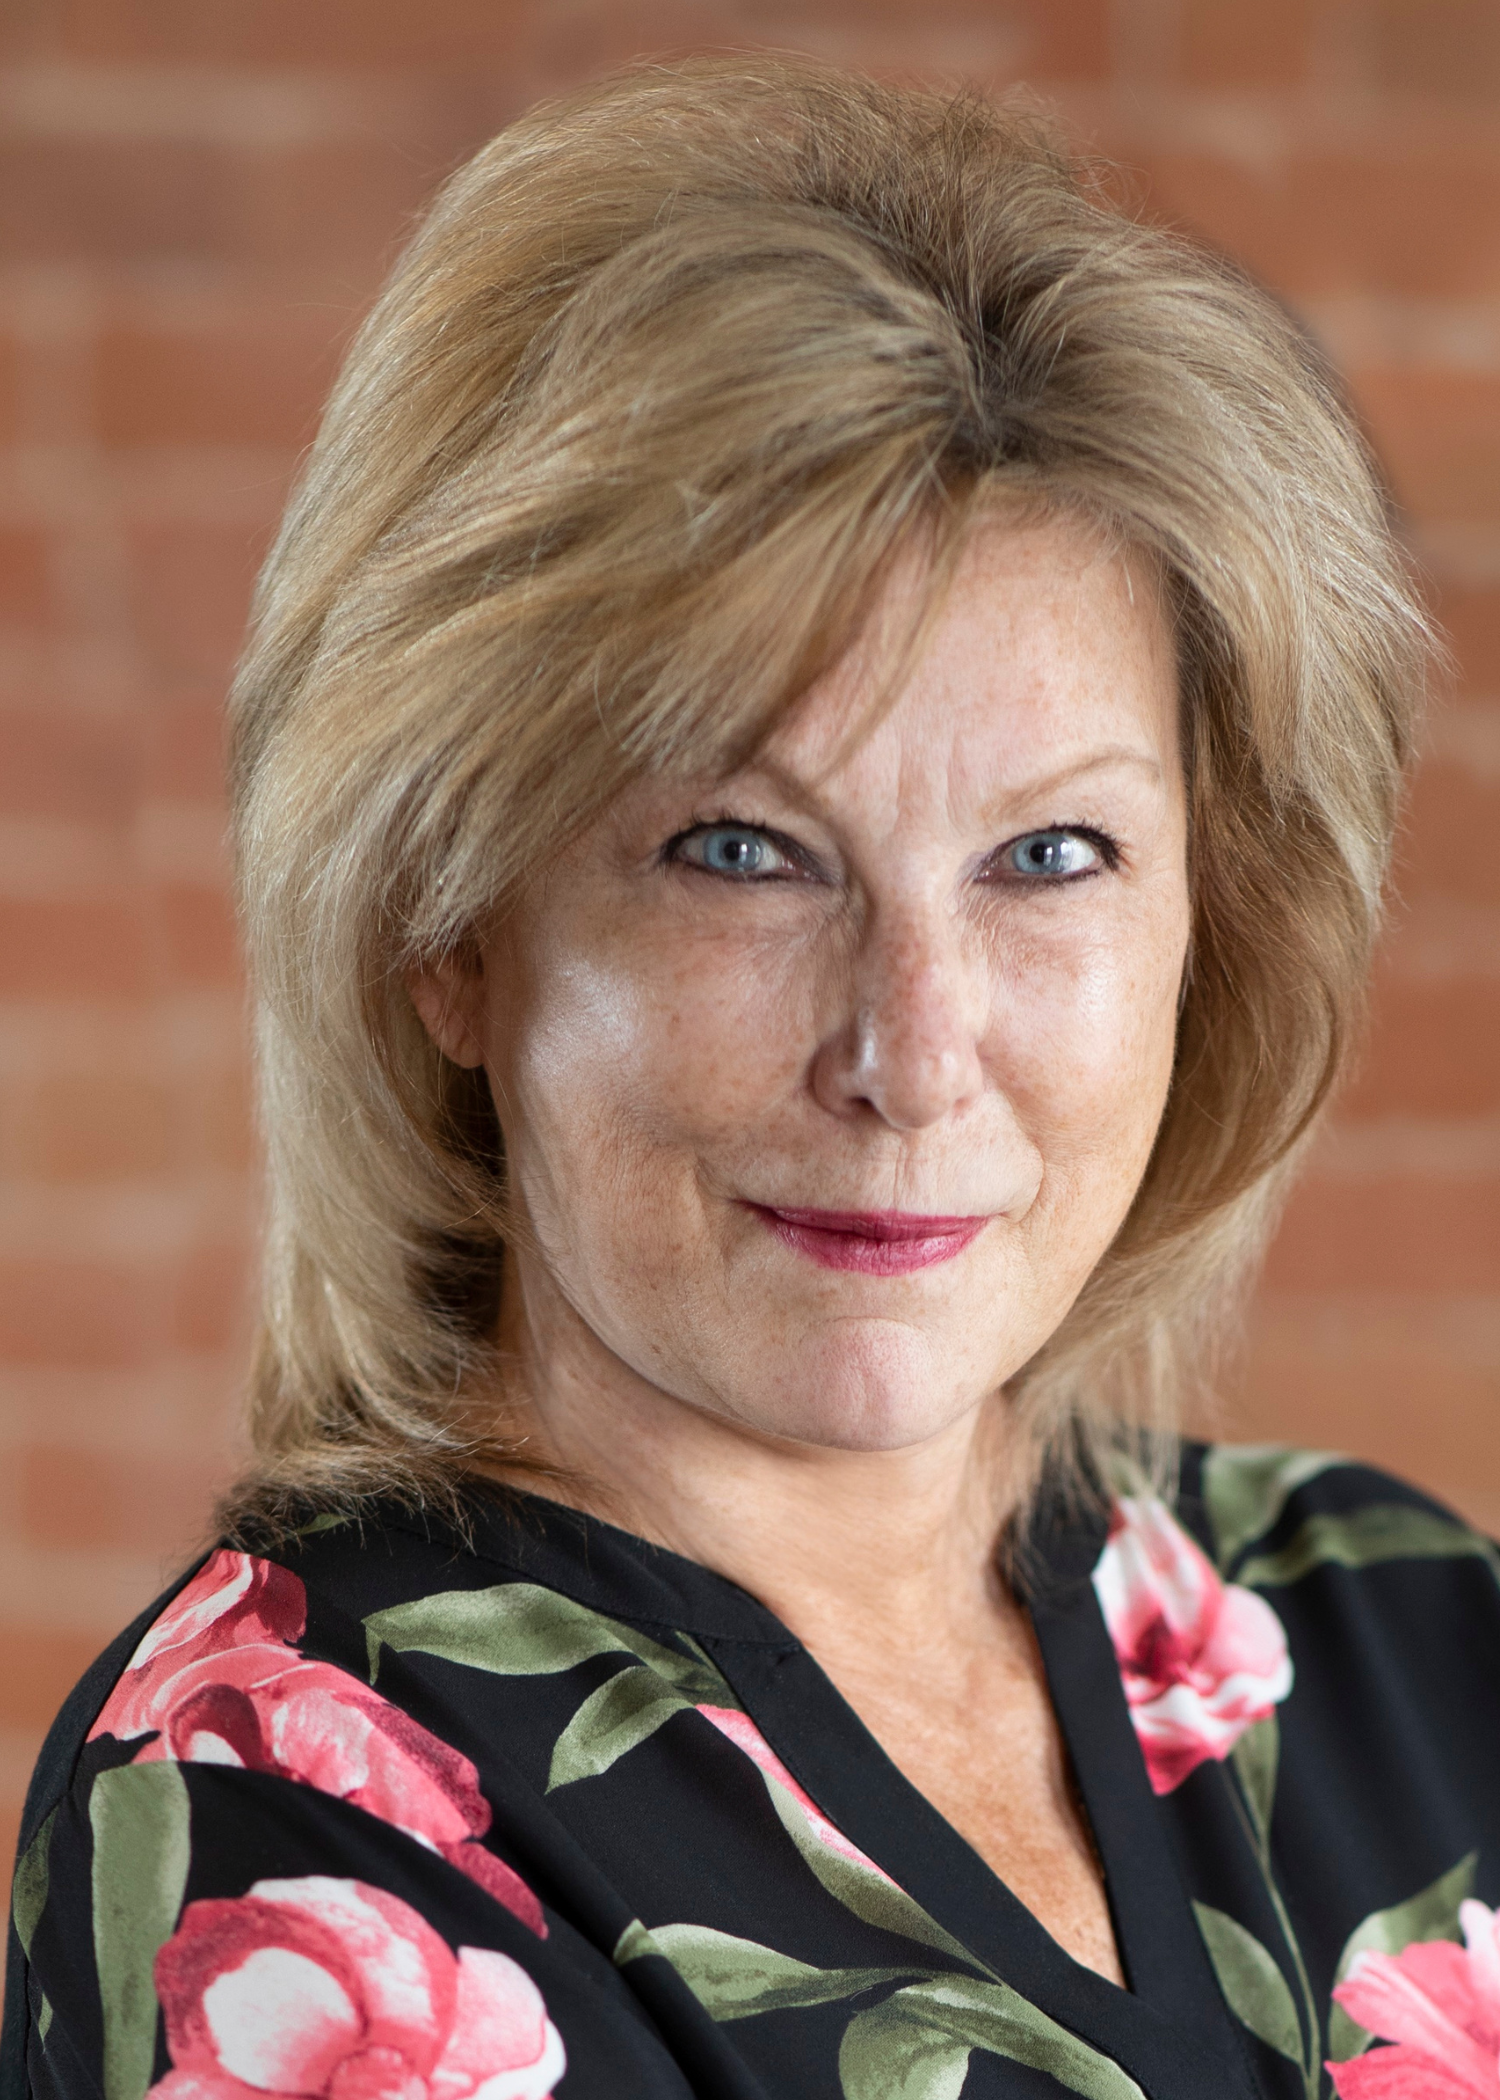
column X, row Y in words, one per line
column 448, row 994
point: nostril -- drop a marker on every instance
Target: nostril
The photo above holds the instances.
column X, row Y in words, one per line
column 914, row 1070
column 908, row 1048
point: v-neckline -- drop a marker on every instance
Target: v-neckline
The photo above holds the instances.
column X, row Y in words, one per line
column 1170, row 2029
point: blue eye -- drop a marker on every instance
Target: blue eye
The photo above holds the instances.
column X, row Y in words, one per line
column 1052, row 855
column 736, row 850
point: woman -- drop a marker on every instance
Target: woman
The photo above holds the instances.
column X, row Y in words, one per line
column 813, row 778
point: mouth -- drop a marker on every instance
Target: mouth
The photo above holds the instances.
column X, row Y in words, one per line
column 874, row 1242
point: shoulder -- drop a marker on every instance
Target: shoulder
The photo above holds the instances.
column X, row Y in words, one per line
column 1271, row 1516
column 1304, row 1584
column 1368, row 1576
column 228, row 1789
column 252, row 1665
column 1273, row 1555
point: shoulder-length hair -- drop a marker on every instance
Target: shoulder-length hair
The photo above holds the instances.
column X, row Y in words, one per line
column 671, row 373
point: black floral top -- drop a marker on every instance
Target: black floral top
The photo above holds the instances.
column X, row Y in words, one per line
column 404, row 1815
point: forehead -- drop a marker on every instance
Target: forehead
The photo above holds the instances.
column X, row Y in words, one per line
column 1048, row 643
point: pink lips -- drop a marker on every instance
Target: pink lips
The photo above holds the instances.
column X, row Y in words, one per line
column 876, row 1242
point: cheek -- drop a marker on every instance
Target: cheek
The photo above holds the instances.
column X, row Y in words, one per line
column 1090, row 1035
column 641, row 1055
column 726, row 1036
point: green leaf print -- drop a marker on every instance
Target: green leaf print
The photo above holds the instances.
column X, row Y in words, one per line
column 634, row 1944
column 735, row 1979
column 1255, row 1757
column 885, row 2055
column 28, row 1899
column 520, row 1629
column 1257, row 1993
column 1247, row 1486
column 140, row 1820
column 950, row 2014
column 1362, row 1538
column 1432, row 1914
column 970, row 2014
column 627, row 1709
column 860, row 1886
column 28, row 1892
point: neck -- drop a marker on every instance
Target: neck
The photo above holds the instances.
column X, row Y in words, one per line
column 829, row 1539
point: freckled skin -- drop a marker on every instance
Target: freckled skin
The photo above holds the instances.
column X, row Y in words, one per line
column 899, row 1021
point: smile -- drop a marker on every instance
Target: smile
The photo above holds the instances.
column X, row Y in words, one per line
column 875, row 1242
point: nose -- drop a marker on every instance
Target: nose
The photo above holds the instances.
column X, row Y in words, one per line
column 908, row 1047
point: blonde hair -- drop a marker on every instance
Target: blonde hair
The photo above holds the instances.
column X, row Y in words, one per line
column 671, row 373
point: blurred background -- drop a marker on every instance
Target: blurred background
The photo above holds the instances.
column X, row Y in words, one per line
column 197, row 199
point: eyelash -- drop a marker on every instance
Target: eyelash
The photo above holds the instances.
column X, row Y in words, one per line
column 1107, row 847
column 733, row 821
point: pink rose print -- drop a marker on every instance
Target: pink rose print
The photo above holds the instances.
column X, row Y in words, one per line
column 219, row 1680
column 333, row 1990
column 1440, row 2005
column 744, row 1734
column 1201, row 1658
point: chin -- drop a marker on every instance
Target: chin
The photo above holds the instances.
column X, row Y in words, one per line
column 868, row 1385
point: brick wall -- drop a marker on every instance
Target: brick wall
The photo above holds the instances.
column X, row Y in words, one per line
column 197, row 197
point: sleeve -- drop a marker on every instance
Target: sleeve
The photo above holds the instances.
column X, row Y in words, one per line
column 199, row 1931
column 257, row 1877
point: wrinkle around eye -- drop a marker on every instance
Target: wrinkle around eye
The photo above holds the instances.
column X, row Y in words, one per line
column 1000, row 868
column 789, row 861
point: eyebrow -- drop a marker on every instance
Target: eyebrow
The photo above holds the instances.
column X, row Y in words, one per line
column 1108, row 760
column 1039, row 788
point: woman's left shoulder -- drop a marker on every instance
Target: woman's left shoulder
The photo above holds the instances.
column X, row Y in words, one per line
column 1273, row 1558
column 1330, row 1542
column 1271, row 1516
column 1278, row 1572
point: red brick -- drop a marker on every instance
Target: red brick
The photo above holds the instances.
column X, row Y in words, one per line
column 1469, row 616
column 72, row 950
column 183, row 736
column 60, row 762
column 1394, row 1233
column 1432, row 1051
column 1447, row 848
column 199, row 935
column 28, row 29
column 116, row 200
column 328, row 32
column 595, row 36
column 1332, row 223
column 27, row 595
column 1439, row 435
column 1372, row 1381
column 259, row 379
column 212, row 1299
column 105, row 1123
column 222, row 1124
column 1243, row 211
column 95, row 1127
column 191, row 588
column 10, row 372
column 1424, row 223
column 77, row 1314
column 1435, row 47
column 1052, row 42
column 1068, row 42
column 344, row 207
column 146, row 1503
column 38, row 1668
column 1236, row 47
